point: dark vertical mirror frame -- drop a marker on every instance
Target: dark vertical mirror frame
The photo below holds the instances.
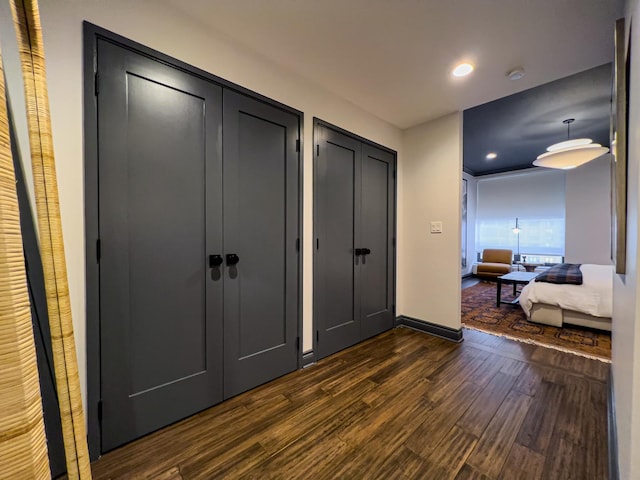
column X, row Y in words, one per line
column 91, row 34
column 619, row 147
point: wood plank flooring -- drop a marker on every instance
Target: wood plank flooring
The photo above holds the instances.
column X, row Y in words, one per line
column 403, row 405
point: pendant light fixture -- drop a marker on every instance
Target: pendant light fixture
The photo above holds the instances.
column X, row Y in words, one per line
column 571, row 153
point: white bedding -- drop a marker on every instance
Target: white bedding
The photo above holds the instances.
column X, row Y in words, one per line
column 593, row 297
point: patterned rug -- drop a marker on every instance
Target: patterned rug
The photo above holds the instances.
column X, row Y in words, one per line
column 479, row 312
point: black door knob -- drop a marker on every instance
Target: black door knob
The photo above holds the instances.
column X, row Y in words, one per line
column 358, row 251
column 215, row 261
column 232, row 258
column 366, row 251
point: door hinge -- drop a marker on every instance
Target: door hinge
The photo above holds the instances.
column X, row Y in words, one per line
column 297, row 145
column 298, row 343
column 317, row 244
column 98, row 250
column 297, row 244
column 393, row 241
column 394, row 174
column 317, row 336
column 96, row 80
column 317, row 150
column 100, row 410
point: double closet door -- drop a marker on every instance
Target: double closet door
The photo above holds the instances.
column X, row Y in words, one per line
column 198, row 223
column 354, row 256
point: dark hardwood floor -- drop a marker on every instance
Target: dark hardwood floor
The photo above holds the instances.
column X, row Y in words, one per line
column 403, row 405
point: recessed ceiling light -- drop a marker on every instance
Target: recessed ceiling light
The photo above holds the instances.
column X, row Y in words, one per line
column 491, row 156
column 462, row 70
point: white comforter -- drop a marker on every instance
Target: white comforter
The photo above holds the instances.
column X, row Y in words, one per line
column 593, row 297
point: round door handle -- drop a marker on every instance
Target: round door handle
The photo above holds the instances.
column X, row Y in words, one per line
column 215, row 261
column 232, row 258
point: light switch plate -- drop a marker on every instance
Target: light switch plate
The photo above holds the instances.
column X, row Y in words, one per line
column 436, row 227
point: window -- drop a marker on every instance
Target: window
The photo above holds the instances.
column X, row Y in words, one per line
column 537, row 199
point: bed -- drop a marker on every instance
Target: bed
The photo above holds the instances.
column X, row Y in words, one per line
column 588, row 305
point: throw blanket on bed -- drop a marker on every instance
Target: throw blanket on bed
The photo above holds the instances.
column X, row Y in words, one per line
column 565, row 273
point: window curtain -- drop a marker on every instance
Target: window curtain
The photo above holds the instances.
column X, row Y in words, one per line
column 536, row 199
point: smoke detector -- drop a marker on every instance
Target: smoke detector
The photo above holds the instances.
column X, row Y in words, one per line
column 516, row 74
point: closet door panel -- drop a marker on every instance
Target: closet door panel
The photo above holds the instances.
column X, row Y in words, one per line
column 377, row 233
column 260, row 227
column 354, row 260
column 159, row 172
column 336, row 282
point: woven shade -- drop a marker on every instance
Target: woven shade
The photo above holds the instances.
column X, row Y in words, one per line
column 23, row 447
column 29, row 34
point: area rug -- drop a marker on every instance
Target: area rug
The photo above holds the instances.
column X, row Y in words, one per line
column 479, row 312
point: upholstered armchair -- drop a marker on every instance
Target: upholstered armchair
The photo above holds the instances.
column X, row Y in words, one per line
column 495, row 263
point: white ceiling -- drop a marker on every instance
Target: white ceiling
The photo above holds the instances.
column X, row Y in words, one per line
column 393, row 57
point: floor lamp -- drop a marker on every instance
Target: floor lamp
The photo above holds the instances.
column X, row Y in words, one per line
column 516, row 230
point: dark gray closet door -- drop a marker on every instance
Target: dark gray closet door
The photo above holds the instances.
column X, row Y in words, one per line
column 336, row 272
column 260, row 229
column 160, row 217
column 354, row 260
column 376, row 227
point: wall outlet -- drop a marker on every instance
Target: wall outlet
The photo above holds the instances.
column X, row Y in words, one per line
column 436, row 227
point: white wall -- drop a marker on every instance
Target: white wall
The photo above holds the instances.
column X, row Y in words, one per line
column 588, row 213
column 430, row 190
column 472, row 198
column 159, row 27
column 626, row 308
